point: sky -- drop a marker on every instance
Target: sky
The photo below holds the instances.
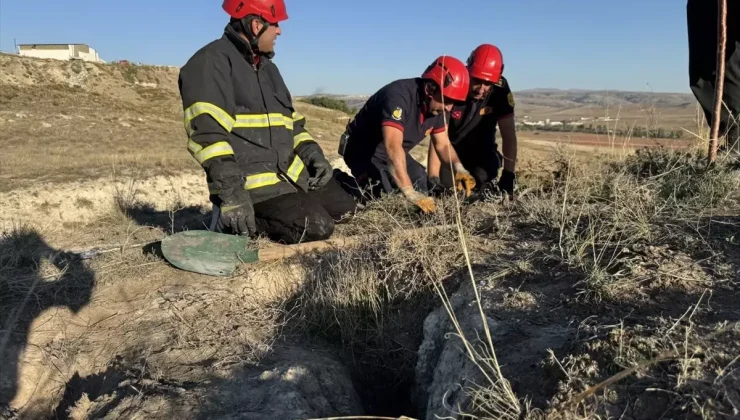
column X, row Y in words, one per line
column 356, row 47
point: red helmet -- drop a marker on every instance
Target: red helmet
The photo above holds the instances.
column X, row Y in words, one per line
column 450, row 75
column 486, row 63
column 272, row 11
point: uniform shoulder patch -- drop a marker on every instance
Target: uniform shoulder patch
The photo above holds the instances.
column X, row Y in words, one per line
column 397, row 113
column 510, row 97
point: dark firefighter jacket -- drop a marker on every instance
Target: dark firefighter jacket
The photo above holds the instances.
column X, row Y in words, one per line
column 240, row 121
column 473, row 124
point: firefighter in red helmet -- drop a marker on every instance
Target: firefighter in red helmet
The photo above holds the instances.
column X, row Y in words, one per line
column 377, row 141
column 266, row 174
column 472, row 127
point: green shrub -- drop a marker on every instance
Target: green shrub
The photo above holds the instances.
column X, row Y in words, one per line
column 331, row 103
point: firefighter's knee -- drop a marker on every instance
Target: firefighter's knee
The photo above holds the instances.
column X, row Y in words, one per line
column 322, row 227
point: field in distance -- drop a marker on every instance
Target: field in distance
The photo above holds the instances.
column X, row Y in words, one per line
column 671, row 111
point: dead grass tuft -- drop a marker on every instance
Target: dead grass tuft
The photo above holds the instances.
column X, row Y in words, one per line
column 29, row 267
column 631, row 230
column 604, row 216
column 372, row 299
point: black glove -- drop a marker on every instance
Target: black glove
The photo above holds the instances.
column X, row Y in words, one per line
column 237, row 212
column 319, row 169
column 490, row 188
column 506, row 182
column 434, row 185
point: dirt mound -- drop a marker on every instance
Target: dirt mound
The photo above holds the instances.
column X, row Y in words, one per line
column 109, row 79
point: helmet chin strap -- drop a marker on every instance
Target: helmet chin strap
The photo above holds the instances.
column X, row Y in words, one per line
column 246, row 25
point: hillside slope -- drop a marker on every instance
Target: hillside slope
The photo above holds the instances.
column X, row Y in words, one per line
column 82, row 140
column 569, row 98
column 64, row 121
column 560, row 98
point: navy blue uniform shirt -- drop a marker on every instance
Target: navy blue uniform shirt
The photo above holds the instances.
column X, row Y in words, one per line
column 473, row 124
column 398, row 104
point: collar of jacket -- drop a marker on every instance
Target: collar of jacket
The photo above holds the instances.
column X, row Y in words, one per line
column 243, row 46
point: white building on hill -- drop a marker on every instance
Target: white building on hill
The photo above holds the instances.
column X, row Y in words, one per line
column 59, row 51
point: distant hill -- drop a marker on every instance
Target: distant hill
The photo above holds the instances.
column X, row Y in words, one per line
column 571, row 98
column 667, row 109
column 560, row 98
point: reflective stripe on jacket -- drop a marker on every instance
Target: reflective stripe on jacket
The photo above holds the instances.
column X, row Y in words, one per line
column 236, row 109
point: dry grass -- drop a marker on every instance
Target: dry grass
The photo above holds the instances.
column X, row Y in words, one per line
column 372, row 299
column 620, row 264
column 620, row 232
column 630, row 231
column 110, row 119
column 640, row 200
column 610, row 236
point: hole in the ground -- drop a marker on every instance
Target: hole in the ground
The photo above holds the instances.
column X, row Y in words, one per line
column 382, row 363
column 371, row 303
column 384, row 382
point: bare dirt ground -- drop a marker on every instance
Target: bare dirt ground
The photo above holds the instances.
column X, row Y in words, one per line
column 611, row 263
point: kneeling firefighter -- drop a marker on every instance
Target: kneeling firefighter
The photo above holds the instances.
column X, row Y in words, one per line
column 265, row 172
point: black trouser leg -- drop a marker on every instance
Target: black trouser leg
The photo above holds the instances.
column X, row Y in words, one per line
column 303, row 217
column 702, row 37
column 334, row 199
column 300, row 216
column 377, row 173
column 482, row 162
column 293, row 218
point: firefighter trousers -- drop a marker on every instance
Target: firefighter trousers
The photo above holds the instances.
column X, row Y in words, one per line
column 301, row 216
column 373, row 178
column 702, row 36
column 483, row 163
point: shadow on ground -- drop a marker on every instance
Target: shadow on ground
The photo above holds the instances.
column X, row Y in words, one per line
column 34, row 277
column 185, row 218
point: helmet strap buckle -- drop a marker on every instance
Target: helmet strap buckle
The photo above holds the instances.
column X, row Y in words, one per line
column 246, row 24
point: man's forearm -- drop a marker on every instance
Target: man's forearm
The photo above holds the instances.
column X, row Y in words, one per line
column 397, row 158
column 508, row 143
column 447, row 155
column 224, row 173
column 509, row 150
column 433, row 163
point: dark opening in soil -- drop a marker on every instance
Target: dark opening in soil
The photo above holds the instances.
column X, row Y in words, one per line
column 385, row 384
column 371, row 309
column 383, row 366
